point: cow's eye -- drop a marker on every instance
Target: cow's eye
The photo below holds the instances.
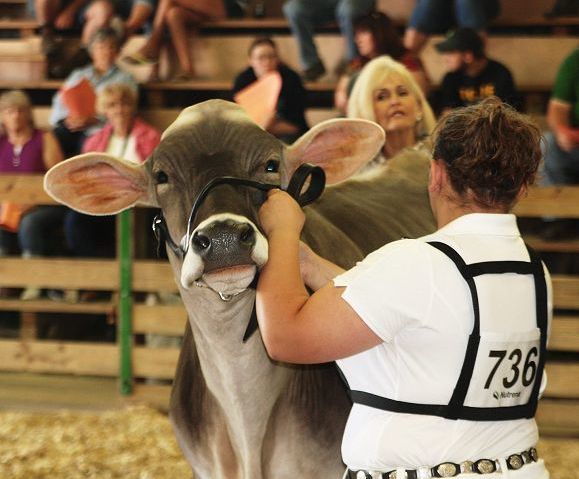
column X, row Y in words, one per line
column 161, row 177
column 272, row 166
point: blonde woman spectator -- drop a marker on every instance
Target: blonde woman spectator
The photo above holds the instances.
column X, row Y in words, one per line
column 387, row 93
column 125, row 136
column 25, row 149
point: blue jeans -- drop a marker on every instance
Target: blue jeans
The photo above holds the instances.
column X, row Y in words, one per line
column 561, row 167
column 436, row 16
column 36, row 233
column 304, row 15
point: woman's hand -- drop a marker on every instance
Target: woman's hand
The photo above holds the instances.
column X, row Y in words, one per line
column 281, row 212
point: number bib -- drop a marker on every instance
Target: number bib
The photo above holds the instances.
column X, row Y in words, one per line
column 505, row 369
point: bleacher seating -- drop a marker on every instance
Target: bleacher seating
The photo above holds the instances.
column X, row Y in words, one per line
column 521, row 37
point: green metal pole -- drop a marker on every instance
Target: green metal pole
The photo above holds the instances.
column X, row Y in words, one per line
column 124, row 331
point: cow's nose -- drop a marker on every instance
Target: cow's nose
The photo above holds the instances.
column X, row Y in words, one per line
column 223, row 244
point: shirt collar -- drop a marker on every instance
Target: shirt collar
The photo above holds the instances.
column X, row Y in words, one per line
column 483, row 224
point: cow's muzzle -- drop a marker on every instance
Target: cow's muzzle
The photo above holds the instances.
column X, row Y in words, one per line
column 223, row 244
column 306, row 172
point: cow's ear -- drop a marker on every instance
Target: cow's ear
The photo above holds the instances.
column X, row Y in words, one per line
column 340, row 146
column 98, row 184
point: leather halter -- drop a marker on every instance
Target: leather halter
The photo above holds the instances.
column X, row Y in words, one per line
column 314, row 190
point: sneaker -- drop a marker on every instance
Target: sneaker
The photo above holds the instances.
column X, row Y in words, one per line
column 31, row 294
column 314, row 72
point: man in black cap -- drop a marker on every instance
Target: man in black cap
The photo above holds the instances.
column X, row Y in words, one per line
column 472, row 75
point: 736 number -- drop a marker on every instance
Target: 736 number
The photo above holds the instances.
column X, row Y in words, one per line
column 527, row 375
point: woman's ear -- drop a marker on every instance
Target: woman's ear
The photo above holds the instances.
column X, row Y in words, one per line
column 436, row 177
column 419, row 112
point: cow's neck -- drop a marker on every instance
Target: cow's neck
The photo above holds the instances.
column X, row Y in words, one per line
column 236, row 373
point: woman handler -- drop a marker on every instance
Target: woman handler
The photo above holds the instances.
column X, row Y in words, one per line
column 441, row 339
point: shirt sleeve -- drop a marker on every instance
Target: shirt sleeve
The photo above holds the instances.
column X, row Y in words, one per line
column 567, row 78
column 392, row 288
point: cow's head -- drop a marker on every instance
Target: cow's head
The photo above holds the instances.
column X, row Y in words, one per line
column 209, row 140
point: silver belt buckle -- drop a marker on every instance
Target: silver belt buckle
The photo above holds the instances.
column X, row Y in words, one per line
column 447, row 469
column 515, row 461
column 485, row 466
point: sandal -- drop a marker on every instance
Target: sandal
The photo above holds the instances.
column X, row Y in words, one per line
column 183, row 77
column 139, row 59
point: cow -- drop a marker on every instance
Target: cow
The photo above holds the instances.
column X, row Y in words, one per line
column 235, row 412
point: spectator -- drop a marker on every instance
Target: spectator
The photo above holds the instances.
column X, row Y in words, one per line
column 175, row 18
column 126, row 136
column 90, row 15
column 289, row 122
column 375, row 34
column 436, row 16
column 72, row 131
column 562, row 142
column 472, row 76
column 303, row 15
column 387, row 93
column 25, row 149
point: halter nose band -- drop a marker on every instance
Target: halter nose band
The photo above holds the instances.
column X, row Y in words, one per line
column 298, row 180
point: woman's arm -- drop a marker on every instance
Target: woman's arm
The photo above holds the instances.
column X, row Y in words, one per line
column 294, row 326
column 51, row 151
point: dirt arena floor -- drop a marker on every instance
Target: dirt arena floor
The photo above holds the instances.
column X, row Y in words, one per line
column 137, row 443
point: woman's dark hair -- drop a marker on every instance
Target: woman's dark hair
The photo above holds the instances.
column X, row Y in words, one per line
column 490, row 150
column 261, row 41
column 386, row 38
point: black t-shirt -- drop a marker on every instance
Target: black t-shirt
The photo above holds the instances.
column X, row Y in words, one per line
column 459, row 89
column 291, row 104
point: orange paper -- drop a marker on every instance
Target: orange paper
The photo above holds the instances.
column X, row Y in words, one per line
column 260, row 98
column 10, row 214
column 80, row 99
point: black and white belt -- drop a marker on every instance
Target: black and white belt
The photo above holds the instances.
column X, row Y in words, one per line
column 451, row 469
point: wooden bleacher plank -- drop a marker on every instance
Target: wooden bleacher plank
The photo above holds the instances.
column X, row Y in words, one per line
column 97, row 359
column 157, row 363
column 563, row 246
column 153, row 276
column 564, row 334
column 562, row 380
column 565, row 291
column 159, row 319
column 89, row 274
column 24, row 189
column 558, row 417
column 209, row 52
column 561, row 202
column 59, row 357
column 48, row 306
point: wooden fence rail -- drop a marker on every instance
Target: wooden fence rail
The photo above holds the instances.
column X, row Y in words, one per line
column 558, row 412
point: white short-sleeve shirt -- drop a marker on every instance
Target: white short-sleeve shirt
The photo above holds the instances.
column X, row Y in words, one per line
column 414, row 298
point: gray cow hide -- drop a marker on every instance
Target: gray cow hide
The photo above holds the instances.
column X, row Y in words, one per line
column 236, row 413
